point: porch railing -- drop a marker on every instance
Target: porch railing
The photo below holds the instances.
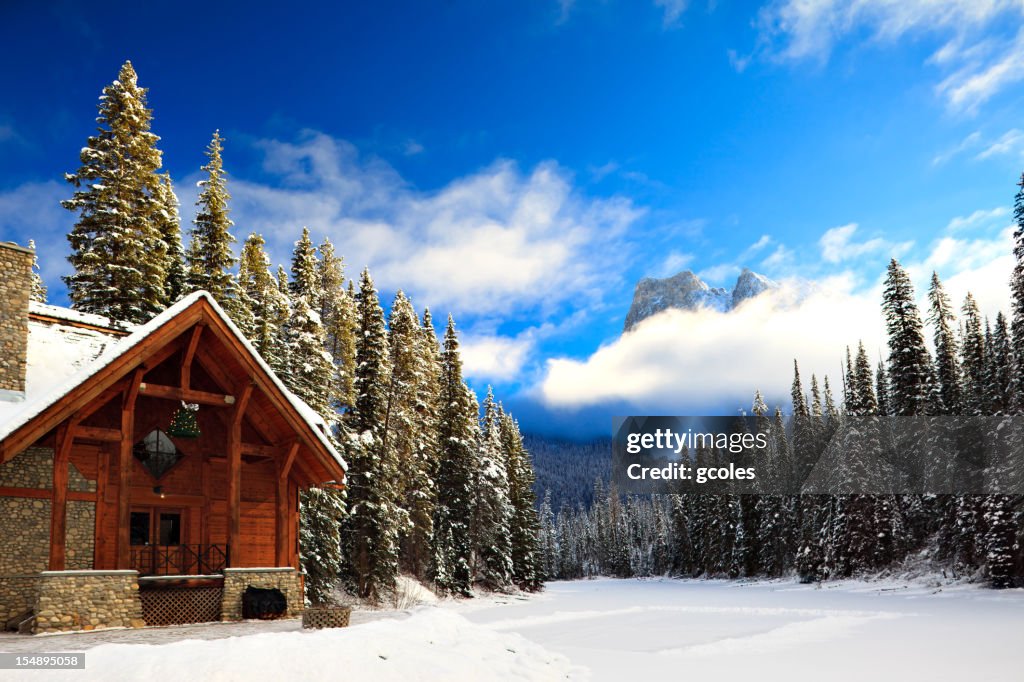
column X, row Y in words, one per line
column 179, row 559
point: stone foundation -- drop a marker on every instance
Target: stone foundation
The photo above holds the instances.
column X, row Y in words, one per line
column 237, row 579
column 17, row 595
column 87, row 600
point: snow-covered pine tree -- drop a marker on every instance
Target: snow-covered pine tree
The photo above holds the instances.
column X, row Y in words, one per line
column 322, row 512
column 975, row 362
column 210, row 256
column 410, row 432
column 1017, row 302
column 457, row 438
column 169, row 224
column 526, row 568
column 910, row 376
column 375, row 520
column 338, row 314
column 999, row 377
column 38, row 293
column 492, row 512
column 548, row 538
column 947, row 363
column 882, row 389
column 118, row 252
column 310, row 365
column 258, row 287
column 283, row 314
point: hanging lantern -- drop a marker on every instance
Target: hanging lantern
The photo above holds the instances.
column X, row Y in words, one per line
column 183, row 423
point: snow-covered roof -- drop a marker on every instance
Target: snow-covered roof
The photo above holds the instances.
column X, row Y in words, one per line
column 77, row 317
column 62, row 356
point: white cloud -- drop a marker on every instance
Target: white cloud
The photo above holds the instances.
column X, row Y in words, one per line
column 692, row 361
column 1009, row 143
column 493, row 357
column 837, row 245
column 673, row 10
column 779, row 257
column 500, row 239
column 412, row 148
column 675, row 262
column 33, row 211
column 968, row 142
column 977, row 65
column 979, row 218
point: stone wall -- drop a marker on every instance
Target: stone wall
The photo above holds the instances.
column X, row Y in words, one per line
column 87, row 600
column 15, row 289
column 28, row 550
column 33, row 468
column 237, row 579
column 17, row 594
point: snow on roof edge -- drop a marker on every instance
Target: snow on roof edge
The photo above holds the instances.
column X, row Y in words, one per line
column 76, row 316
column 32, row 407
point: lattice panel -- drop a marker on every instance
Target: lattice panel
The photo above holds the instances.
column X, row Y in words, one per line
column 181, row 605
column 326, row 617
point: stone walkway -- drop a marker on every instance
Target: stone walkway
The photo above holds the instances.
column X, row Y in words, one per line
column 80, row 641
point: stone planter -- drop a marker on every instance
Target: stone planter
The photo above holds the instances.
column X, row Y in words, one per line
column 325, row 617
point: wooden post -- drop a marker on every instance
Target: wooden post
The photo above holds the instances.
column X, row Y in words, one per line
column 234, row 454
column 124, row 471
column 99, row 547
column 59, row 496
column 281, row 529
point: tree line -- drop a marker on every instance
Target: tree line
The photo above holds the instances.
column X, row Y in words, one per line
column 976, row 369
column 436, row 487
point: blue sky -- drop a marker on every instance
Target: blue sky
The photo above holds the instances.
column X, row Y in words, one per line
column 523, row 164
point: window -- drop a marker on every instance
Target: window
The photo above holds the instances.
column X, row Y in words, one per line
column 157, row 453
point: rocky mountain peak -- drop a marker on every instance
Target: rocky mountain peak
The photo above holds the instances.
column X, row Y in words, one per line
column 686, row 291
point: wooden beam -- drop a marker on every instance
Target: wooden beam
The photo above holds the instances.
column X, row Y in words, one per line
column 124, row 469
column 281, row 529
column 59, row 496
column 258, row 449
column 190, row 353
column 98, row 433
column 234, row 448
column 189, row 396
column 99, row 544
column 289, row 459
column 45, row 493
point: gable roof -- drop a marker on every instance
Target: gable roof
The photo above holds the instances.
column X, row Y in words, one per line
column 64, row 356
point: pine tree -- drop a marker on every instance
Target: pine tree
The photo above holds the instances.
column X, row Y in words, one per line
column 322, row 512
column 169, row 225
column 310, row 366
column 38, row 293
column 882, row 389
column 410, row 431
column 1000, row 370
column 947, row 364
column 975, row 361
column 118, row 252
column 210, row 258
column 337, row 311
column 258, row 288
column 457, row 437
column 375, row 518
column 492, row 513
column 1017, row 302
column 523, row 526
column 910, row 375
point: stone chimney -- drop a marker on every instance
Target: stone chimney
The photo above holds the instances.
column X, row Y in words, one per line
column 15, row 288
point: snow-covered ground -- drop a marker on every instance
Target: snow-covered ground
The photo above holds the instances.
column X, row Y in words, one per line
column 599, row 630
column 725, row 631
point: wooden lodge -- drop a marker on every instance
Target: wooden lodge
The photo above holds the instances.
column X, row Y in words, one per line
column 162, row 461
